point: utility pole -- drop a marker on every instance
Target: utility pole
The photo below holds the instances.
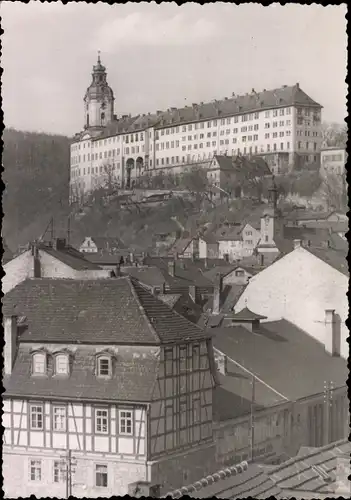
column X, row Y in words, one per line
column 252, row 420
column 327, row 405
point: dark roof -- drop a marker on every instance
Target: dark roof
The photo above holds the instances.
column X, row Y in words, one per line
column 104, row 311
column 149, row 276
column 106, row 258
column 133, row 378
column 243, row 166
column 301, row 474
column 335, row 258
column 212, row 273
column 169, row 298
column 252, row 483
column 187, row 272
column 180, row 245
column 301, row 215
column 287, row 359
column 108, row 243
column 256, row 101
column 7, row 255
column 304, row 473
column 247, row 315
column 71, row 257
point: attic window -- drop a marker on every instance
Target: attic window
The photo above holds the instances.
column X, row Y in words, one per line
column 62, row 364
column 39, row 363
column 239, row 272
column 104, row 366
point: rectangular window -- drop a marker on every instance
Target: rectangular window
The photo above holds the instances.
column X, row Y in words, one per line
column 59, row 417
column 59, row 471
column 35, row 470
column 101, row 421
column 275, row 112
column 125, row 422
column 101, row 475
column 36, row 417
column 104, row 367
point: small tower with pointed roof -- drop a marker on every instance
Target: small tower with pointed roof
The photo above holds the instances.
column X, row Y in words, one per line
column 99, row 99
column 271, row 220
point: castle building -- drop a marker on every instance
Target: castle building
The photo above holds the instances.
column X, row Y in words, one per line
column 282, row 125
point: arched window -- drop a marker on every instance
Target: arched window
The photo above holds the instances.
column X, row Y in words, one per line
column 39, row 363
column 62, row 364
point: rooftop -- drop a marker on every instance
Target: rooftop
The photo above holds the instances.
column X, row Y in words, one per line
column 312, row 472
column 69, row 256
column 133, row 378
column 290, row 363
column 109, row 311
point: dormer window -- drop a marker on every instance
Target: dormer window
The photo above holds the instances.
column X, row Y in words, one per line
column 39, row 363
column 104, row 366
column 62, row 364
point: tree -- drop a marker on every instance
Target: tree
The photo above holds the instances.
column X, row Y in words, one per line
column 334, row 135
column 334, row 191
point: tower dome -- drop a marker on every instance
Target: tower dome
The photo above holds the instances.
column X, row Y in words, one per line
column 99, row 99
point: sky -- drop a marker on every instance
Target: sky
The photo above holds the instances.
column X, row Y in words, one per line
column 162, row 56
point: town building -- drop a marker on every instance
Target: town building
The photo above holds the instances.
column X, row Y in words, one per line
column 101, row 244
column 283, row 125
column 107, row 391
column 333, row 161
column 55, row 259
column 299, row 287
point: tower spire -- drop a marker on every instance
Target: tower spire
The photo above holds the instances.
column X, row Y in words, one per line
column 99, row 58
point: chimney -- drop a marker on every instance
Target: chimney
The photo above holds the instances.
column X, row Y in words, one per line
column 297, row 244
column 36, row 262
column 221, row 362
column 332, row 340
column 171, row 268
column 10, row 347
column 131, row 257
column 118, row 270
column 193, row 293
column 59, row 243
column 217, row 292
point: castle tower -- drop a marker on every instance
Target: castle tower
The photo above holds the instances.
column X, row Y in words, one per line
column 99, row 99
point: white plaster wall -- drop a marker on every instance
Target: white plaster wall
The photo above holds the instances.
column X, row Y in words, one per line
column 17, row 270
column 299, row 288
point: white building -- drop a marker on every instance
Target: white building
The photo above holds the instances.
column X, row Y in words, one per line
column 300, row 287
column 283, row 125
column 333, row 161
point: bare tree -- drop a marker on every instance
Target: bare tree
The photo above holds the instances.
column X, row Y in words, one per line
column 334, row 135
column 334, row 191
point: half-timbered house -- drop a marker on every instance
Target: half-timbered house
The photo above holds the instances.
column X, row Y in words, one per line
column 107, row 391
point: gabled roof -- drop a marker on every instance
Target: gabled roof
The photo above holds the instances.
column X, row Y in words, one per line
column 149, row 276
column 335, row 258
column 104, row 311
column 69, row 256
column 243, row 166
column 247, row 315
column 7, row 255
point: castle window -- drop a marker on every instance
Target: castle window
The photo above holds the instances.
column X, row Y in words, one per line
column 39, row 363
column 62, row 364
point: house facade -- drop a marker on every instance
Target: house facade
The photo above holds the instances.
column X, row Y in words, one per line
column 333, row 161
column 124, row 408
